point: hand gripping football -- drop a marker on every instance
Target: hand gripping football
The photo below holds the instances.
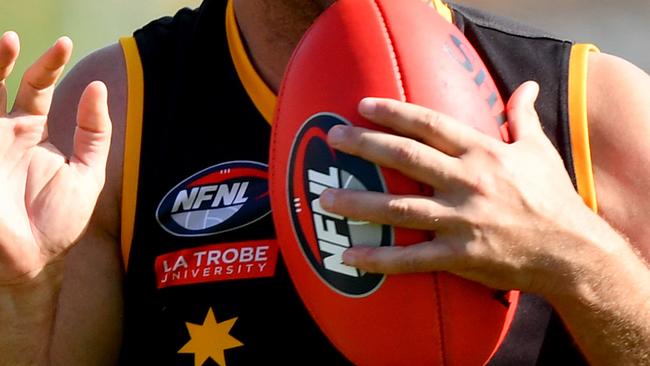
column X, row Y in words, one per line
column 401, row 49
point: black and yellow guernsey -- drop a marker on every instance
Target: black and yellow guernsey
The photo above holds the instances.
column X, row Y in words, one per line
column 205, row 283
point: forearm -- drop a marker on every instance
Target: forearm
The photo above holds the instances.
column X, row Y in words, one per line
column 606, row 304
column 27, row 313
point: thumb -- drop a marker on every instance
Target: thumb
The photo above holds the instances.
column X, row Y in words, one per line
column 9, row 49
column 522, row 116
column 92, row 136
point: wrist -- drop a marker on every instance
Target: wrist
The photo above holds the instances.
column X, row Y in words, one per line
column 603, row 299
column 33, row 299
column 32, row 290
column 594, row 267
column 27, row 313
column 594, row 258
column 45, row 278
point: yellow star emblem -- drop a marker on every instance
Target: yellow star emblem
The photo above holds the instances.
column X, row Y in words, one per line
column 210, row 339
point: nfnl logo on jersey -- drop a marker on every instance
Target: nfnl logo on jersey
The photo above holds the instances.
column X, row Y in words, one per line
column 323, row 236
column 220, row 198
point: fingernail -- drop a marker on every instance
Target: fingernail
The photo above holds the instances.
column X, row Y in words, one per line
column 336, row 134
column 349, row 257
column 11, row 34
column 534, row 90
column 65, row 39
column 367, row 107
column 327, row 199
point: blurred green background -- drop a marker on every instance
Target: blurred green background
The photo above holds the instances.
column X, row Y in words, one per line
column 90, row 23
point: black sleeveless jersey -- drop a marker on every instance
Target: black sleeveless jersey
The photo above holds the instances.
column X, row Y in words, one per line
column 205, row 283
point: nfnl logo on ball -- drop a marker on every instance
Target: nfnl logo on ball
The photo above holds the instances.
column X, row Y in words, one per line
column 323, row 236
column 220, row 198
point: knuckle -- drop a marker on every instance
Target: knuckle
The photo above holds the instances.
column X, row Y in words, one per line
column 51, row 68
column 480, row 184
column 497, row 156
column 486, row 152
column 398, row 207
column 38, row 84
column 39, row 78
column 485, row 168
column 431, row 121
column 473, row 250
column 352, row 141
column 407, row 153
column 374, row 265
column 412, row 264
column 400, row 211
column 407, row 260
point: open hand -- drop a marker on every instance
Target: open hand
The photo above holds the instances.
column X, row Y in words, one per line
column 46, row 199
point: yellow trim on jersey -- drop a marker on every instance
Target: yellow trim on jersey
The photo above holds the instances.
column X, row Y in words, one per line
column 578, row 123
column 132, row 141
column 262, row 96
column 443, row 9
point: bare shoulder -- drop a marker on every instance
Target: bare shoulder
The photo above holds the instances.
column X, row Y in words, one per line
column 619, row 130
column 88, row 324
column 620, row 82
column 108, row 66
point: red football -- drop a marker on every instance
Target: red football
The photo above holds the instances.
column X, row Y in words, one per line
column 399, row 49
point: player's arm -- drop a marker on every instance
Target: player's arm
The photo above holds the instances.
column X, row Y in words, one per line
column 619, row 122
column 505, row 215
column 613, row 322
column 609, row 314
column 48, row 198
column 88, row 325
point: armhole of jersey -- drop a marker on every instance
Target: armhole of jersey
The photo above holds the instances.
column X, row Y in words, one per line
column 579, row 124
column 132, row 142
column 443, row 9
column 262, row 96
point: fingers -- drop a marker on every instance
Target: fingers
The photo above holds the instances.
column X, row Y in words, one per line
column 422, row 257
column 93, row 133
column 35, row 92
column 433, row 128
column 412, row 158
column 412, row 212
column 9, row 49
column 522, row 116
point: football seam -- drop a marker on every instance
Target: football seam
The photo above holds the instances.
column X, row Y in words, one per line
column 393, row 53
column 403, row 92
column 395, row 60
column 441, row 326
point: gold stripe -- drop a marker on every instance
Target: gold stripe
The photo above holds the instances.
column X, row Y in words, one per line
column 443, row 9
column 262, row 96
column 579, row 124
column 132, row 141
